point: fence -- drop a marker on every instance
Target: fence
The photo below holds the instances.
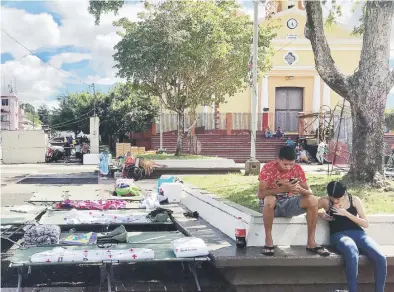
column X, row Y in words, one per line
column 240, row 121
column 206, row 120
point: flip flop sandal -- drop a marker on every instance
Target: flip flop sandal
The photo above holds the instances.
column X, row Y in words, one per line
column 319, row 250
column 191, row 214
column 268, row 250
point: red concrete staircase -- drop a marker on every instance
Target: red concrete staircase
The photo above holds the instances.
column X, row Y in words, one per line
column 235, row 147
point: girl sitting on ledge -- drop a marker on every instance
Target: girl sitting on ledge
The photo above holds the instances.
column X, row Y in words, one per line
column 346, row 218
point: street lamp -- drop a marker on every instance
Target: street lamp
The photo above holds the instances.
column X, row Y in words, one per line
column 252, row 166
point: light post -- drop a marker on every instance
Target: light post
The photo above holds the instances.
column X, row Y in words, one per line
column 252, row 166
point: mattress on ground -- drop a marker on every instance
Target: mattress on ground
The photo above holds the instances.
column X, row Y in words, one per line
column 20, row 214
column 162, row 252
column 135, row 217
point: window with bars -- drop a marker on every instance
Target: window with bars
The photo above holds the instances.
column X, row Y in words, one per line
column 4, row 101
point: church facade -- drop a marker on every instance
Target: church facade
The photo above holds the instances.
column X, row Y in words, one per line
column 293, row 86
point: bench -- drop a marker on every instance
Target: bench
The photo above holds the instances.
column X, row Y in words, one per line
column 292, row 268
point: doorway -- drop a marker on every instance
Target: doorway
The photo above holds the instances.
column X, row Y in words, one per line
column 288, row 103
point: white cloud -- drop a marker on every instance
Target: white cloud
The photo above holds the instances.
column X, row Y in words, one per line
column 32, row 30
column 67, row 58
column 36, row 82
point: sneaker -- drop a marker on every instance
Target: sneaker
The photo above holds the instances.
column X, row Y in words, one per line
column 117, row 231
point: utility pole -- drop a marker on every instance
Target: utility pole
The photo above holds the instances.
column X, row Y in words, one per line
column 252, row 166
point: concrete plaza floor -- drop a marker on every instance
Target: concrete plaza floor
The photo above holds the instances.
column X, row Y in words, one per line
column 139, row 277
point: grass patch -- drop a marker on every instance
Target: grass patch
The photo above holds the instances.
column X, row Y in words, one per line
column 172, row 157
column 242, row 190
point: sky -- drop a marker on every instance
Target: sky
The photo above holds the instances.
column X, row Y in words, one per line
column 63, row 33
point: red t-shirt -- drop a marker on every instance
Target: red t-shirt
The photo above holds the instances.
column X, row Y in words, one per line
column 271, row 174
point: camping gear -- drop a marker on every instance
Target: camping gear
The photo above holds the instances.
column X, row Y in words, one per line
column 59, row 254
column 144, row 247
column 42, row 234
column 189, row 247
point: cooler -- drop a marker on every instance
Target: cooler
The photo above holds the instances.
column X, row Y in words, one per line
column 164, row 179
column 173, row 191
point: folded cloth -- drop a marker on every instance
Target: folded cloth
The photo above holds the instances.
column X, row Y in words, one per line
column 160, row 215
column 187, row 247
column 42, row 234
column 81, row 239
column 59, row 254
column 92, row 204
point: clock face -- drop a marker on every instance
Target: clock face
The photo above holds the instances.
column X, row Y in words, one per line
column 292, row 23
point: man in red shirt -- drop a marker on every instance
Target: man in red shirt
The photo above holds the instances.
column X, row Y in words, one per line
column 284, row 192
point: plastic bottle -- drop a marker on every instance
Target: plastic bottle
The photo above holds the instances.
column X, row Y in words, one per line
column 240, row 234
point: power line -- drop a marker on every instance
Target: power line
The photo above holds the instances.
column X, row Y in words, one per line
column 72, row 120
column 45, row 62
column 68, row 124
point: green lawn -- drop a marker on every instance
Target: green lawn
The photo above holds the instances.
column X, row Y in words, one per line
column 242, row 190
column 172, row 156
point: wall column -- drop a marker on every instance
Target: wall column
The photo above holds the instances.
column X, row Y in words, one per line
column 264, row 102
column 316, row 95
column 229, row 123
column 326, row 95
column 205, row 115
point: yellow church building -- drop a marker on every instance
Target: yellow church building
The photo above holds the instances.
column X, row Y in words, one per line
column 293, row 85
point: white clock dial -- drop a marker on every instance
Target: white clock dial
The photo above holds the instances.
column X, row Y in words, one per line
column 292, row 23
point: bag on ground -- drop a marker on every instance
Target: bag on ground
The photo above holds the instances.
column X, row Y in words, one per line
column 189, row 247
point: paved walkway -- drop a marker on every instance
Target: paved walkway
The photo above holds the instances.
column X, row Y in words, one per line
column 140, row 277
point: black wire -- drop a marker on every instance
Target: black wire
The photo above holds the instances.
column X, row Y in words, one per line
column 45, row 62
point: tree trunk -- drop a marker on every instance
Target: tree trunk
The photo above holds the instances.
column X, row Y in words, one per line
column 110, row 144
column 366, row 89
column 367, row 153
column 179, row 142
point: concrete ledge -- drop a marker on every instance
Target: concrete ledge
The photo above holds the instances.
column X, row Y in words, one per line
column 223, row 215
column 286, row 256
column 291, row 269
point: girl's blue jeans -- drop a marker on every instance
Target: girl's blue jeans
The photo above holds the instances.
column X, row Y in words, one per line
column 353, row 242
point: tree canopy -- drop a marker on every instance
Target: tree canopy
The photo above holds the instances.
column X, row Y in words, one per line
column 188, row 53
column 124, row 109
column 43, row 114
